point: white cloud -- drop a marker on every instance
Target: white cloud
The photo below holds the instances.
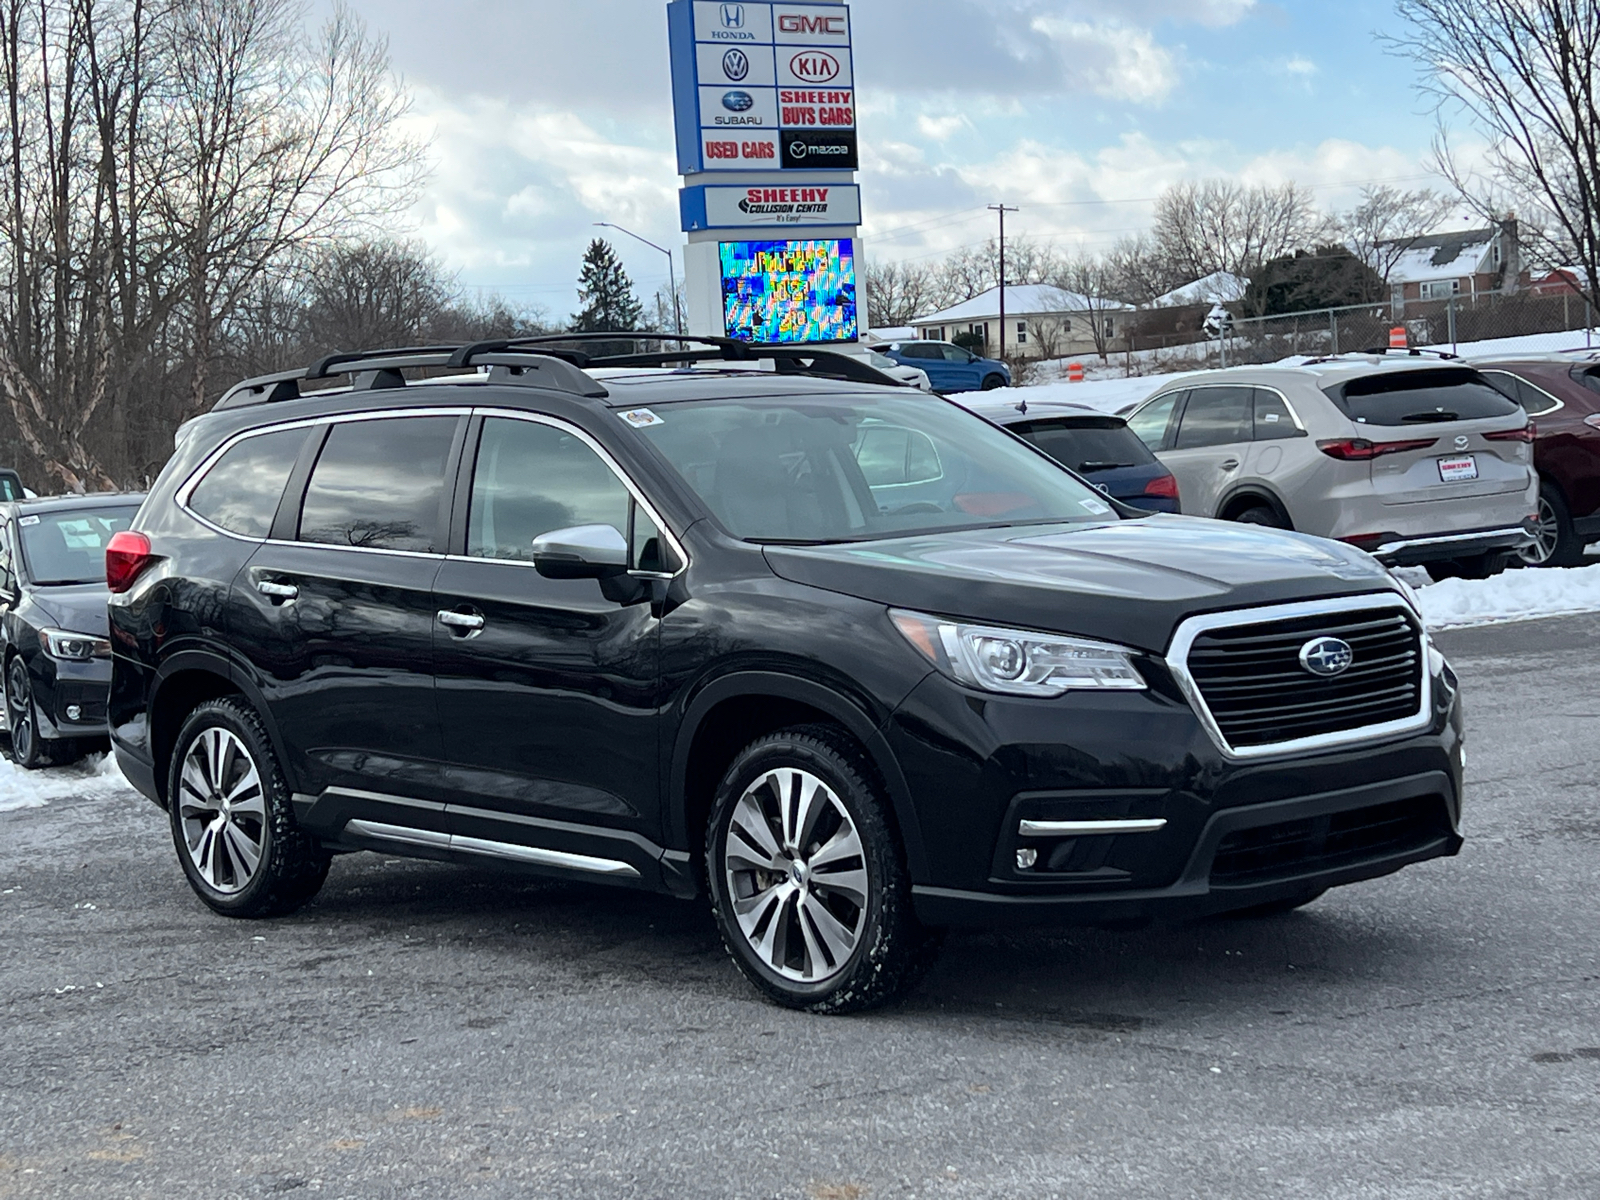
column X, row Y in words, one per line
column 941, row 129
column 1116, row 61
column 1299, row 65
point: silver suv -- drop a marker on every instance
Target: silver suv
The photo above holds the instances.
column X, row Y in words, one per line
column 1419, row 462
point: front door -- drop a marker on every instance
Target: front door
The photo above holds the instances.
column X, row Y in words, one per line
column 1213, row 437
column 547, row 689
column 336, row 612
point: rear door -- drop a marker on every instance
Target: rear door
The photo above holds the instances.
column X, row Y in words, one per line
column 965, row 375
column 336, row 610
column 1213, row 436
column 928, row 357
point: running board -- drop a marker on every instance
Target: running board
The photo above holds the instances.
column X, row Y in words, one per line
column 509, row 851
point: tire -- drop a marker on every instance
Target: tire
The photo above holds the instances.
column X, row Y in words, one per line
column 1559, row 544
column 1261, row 514
column 991, row 382
column 846, row 897
column 1276, row 908
column 28, row 749
column 228, row 802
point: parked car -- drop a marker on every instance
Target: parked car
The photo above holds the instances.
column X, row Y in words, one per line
column 1099, row 447
column 661, row 628
column 1563, row 397
column 53, row 622
column 914, row 376
column 950, row 368
column 1418, row 461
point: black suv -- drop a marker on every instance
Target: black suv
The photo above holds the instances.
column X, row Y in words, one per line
column 685, row 620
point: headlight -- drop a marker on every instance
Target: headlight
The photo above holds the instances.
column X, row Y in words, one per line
column 1017, row 662
column 74, row 647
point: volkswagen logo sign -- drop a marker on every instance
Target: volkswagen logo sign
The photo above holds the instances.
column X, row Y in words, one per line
column 738, row 101
column 735, row 65
column 733, row 16
column 1326, row 657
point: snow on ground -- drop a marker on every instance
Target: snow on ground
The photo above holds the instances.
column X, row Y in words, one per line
column 1533, row 343
column 1106, row 395
column 97, row 775
column 1514, row 596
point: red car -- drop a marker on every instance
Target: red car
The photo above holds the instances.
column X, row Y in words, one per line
column 1561, row 392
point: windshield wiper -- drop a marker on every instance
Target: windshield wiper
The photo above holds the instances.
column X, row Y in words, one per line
column 1089, row 468
column 1428, row 418
column 64, row 582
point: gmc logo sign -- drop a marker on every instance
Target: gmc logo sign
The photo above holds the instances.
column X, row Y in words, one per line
column 814, row 66
column 793, row 23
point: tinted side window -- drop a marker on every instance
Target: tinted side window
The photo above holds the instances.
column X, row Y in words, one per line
column 532, row 479
column 955, row 354
column 1422, row 397
column 1273, row 419
column 377, row 485
column 915, row 350
column 241, row 492
column 1531, row 398
column 1150, row 422
column 1215, row 416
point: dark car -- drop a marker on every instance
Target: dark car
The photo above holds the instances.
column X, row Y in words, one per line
column 1563, row 397
column 53, row 614
column 1097, row 446
column 652, row 625
column 950, row 368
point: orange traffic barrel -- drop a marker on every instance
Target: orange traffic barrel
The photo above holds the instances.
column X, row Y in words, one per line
column 1397, row 338
column 1075, row 372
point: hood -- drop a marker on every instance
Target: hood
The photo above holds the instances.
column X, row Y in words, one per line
column 1129, row 582
column 78, row 607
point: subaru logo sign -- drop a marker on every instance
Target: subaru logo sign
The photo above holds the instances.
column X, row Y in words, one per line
column 735, row 65
column 733, row 16
column 1326, row 657
column 738, row 101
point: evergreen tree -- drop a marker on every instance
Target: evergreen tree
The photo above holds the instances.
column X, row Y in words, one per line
column 606, row 292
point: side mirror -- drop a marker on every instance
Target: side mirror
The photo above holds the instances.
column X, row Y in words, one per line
column 581, row 552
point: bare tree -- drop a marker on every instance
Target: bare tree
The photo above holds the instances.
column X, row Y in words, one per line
column 1140, row 272
column 1220, row 225
column 1087, row 283
column 1522, row 73
column 374, row 294
column 897, row 293
column 1388, row 222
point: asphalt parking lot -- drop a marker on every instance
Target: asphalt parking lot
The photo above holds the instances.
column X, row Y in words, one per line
column 423, row 1030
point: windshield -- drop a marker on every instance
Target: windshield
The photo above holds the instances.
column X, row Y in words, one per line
column 1088, row 446
column 831, row 469
column 70, row 547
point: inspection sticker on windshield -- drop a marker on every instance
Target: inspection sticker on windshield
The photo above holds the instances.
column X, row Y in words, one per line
column 27, row 520
column 1090, row 504
column 1457, row 470
column 641, row 418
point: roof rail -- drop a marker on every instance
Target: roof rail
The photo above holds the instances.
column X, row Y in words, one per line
column 1411, row 351
column 787, row 360
column 379, row 369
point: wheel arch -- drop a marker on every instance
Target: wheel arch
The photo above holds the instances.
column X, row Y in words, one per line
column 731, row 712
column 184, row 682
column 1246, row 496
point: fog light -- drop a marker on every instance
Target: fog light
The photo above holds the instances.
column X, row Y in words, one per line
column 1026, row 858
column 74, row 712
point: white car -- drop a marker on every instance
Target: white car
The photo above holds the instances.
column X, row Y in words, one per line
column 916, row 377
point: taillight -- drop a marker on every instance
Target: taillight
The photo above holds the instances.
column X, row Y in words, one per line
column 1527, row 433
column 1359, row 449
column 1164, row 486
column 127, row 554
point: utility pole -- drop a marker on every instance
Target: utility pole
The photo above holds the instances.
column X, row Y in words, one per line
column 1002, row 210
column 672, row 274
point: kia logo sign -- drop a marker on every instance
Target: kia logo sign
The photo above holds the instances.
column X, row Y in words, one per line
column 733, row 16
column 735, row 65
column 814, row 66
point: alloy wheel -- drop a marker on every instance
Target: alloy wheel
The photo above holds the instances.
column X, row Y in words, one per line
column 796, row 875
column 222, row 810
column 19, row 710
column 1546, row 537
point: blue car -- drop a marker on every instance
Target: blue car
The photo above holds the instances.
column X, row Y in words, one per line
column 949, row 367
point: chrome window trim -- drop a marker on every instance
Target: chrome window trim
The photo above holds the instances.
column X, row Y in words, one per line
column 1557, row 401
column 616, row 469
column 1294, row 414
column 1183, row 641
column 183, row 495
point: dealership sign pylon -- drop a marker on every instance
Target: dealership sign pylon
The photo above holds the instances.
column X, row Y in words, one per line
column 765, row 105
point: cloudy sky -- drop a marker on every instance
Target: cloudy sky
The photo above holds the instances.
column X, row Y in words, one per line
column 546, row 116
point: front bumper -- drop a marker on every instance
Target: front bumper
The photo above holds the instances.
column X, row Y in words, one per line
column 71, row 698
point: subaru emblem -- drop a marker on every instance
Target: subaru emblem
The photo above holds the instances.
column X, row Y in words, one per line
column 1326, row 656
column 735, row 65
column 733, row 16
column 738, row 101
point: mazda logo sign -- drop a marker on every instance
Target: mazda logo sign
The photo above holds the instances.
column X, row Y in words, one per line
column 1326, row 657
column 735, row 65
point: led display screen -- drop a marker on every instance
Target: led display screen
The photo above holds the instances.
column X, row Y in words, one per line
column 790, row 292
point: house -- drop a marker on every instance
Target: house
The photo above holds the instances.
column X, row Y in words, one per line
column 1042, row 321
column 1219, row 287
column 1470, row 262
column 1568, row 281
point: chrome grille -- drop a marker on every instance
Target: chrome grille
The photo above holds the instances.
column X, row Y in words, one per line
column 1257, row 694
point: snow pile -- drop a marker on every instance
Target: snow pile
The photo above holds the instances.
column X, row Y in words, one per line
column 93, row 776
column 1105, row 395
column 1514, row 596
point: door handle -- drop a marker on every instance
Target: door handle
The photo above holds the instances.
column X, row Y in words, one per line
column 469, row 622
column 278, row 591
column 1229, row 464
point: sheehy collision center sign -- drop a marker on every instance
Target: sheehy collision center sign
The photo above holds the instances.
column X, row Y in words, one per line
column 762, row 86
column 756, row 206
